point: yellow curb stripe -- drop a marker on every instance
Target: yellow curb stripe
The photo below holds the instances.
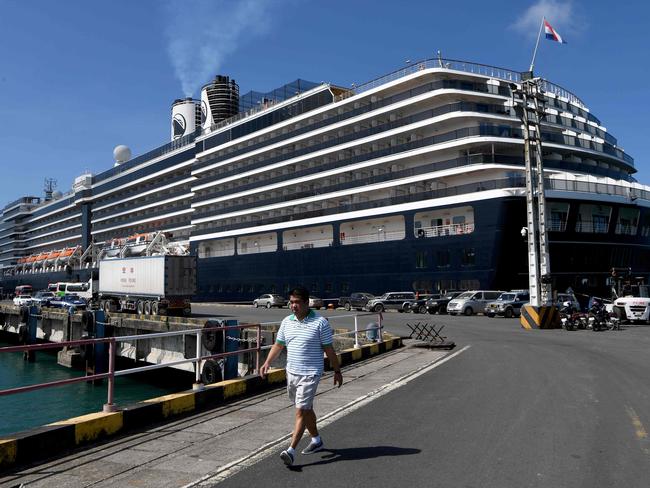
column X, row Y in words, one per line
column 175, row 403
column 276, row 376
column 374, row 349
column 8, row 450
column 90, row 427
column 357, row 354
column 232, row 388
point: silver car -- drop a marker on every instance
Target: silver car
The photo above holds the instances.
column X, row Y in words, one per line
column 269, row 300
column 471, row 302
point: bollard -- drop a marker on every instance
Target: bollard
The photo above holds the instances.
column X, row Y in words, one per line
column 356, row 333
column 372, row 330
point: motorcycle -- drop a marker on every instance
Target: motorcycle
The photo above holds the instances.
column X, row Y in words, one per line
column 598, row 316
column 568, row 316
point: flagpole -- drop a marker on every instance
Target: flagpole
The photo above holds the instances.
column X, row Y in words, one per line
column 532, row 62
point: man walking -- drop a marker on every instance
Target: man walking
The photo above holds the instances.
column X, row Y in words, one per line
column 306, row 335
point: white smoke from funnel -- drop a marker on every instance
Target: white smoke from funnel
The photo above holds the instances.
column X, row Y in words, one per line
column 559, row 13
column 202, row 33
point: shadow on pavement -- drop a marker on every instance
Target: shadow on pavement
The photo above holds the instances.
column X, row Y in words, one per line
column 355, row 453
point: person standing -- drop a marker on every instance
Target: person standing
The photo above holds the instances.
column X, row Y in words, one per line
column 305, row 334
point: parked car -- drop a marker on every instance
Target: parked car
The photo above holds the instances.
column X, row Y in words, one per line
column 67, row 301
column 567, row 297
column 471, row 302
column 508, row 304
column 419, row 305
column 357, row 301
column 316, row 303
column 21, row 300
column 439, row 305
column 43, row 298
column 390, row 301
column 269, row 300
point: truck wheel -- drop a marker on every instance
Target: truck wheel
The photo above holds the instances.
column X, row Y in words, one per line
column 147, row 308
column 268, row 304
column 139, row 307
column 154, row 308
column 508, row 313
column 256, row 305
column 347, row 306
column 422, row 309
column 468, row 311
column 379, row 308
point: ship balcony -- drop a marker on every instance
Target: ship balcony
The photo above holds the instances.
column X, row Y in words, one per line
column 308, row 244
column 445, row 230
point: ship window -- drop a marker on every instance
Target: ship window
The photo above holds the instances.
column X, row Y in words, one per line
column 420, row 259
column 628, row 219
column 443, row 258
column 468, row 257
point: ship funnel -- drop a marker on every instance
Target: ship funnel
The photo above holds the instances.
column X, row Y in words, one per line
column 219, row 101
column 186, row 117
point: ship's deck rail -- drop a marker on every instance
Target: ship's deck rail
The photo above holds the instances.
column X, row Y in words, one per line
column 474, row 68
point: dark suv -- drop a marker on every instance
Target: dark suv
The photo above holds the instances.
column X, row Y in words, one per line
column 439, row 305
column 390, row 301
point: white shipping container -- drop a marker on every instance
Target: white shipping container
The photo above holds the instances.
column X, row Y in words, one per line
column 155, row 276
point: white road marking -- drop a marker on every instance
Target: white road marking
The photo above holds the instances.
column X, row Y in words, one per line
column 266, row 450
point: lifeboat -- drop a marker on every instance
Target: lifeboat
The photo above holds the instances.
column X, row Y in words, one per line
column 138, row 243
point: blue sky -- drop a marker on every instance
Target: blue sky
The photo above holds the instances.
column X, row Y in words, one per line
column 78, row 77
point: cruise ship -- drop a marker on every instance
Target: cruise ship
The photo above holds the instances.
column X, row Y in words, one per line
column 412, row 181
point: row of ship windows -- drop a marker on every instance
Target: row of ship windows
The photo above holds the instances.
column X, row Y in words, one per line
column 569, row 107
column 377, row 149
column 152, row 197
column 347, row 111
column 581, row 126
column 155, row 226
column 426, row 189
column 351, row 133
column 148, row 185
column 53, row 218
column 597, row 219
column 429, row 224
column 147, row 213
column 252, row 144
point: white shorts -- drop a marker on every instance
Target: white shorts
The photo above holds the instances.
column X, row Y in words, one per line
column 302, row 390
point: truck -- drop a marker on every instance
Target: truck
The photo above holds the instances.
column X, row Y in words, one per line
column 355, row 300
column 149, row 285
column 630, row 297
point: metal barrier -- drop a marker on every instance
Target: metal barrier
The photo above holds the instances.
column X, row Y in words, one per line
column 111, row 374
column 109, row 406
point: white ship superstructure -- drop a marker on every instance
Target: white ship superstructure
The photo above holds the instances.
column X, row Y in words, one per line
column 414, row 180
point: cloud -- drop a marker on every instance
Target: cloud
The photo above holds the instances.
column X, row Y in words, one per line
column 561, row 15
column 201, row 34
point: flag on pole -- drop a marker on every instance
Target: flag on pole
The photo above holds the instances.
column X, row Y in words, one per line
column 551, row 33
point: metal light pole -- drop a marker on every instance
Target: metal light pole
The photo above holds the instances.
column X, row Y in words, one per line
column 538, row 256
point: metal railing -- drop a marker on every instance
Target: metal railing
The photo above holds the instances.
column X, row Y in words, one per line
column 112, row 373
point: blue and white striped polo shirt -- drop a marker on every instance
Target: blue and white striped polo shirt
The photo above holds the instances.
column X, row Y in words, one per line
column 305, row 340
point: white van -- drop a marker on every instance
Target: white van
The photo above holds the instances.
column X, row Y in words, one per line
column 84, row 290
column 471, row 302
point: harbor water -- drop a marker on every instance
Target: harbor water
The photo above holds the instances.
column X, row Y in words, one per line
column 24, row 411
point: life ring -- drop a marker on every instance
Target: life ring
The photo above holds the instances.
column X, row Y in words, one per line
column 211, row 372
column 213, row 339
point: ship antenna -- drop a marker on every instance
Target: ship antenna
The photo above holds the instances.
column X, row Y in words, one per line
column 50, row 185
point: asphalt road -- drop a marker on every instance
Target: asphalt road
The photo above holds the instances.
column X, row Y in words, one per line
column 516, row 409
